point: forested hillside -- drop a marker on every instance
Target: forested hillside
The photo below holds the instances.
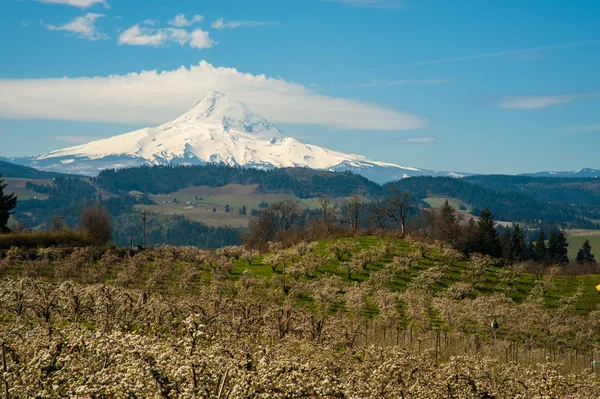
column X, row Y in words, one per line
column 533, row 202
column 303, row 183
column 8, row 169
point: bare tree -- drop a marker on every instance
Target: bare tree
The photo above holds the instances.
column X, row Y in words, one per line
column 353, row 207
column 96, row 223
column 286, row 214
column 399, row 204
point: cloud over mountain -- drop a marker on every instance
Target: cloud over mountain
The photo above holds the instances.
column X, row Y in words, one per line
column 151, row 97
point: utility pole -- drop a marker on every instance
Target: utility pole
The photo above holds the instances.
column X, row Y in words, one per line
column 144, row 218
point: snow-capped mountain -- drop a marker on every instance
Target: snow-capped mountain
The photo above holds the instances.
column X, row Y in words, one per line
column 579, row 173
column 217, row 129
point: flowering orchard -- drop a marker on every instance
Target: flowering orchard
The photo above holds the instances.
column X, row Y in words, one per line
column 348, row 318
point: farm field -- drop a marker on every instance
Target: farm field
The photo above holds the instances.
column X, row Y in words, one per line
column 361, row 317
column 198, row 203
column 202, row 214
column 17, row 186
column 437, row 202
column 575, row 242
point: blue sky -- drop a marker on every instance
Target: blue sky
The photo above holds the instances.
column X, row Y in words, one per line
column 476, row 86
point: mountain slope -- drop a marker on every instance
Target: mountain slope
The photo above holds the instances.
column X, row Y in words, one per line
column 8, row 169
column 217, row 129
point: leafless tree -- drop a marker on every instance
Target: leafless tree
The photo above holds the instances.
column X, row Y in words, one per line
column 399, row 204
column 96, row 223
column 353, row 207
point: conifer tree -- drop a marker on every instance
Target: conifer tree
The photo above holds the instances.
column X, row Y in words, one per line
column 506, row 242
column 541, row 251
column 447, row 224
column 557, row 248
column 485, row 241
column 8, row 202
column 585, row 254
column 518, row 244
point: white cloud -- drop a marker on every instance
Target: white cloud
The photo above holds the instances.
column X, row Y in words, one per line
column 152, row 97
column 219, row 24
column 539, row 102
column 144, row 36
column 418, row 140
column 372, row 3
column 77, row 3
column 180, row 20
column 84, row 27
column 391, row 83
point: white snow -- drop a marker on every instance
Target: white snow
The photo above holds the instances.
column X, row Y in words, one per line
column 217, row 129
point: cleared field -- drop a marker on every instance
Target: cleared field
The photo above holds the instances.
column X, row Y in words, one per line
column 18, row 187
column 575, row 242
column 437, row 202
column 234, row 195
column 200, row 214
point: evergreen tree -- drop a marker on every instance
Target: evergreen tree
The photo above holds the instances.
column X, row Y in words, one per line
column 557, row 248
column 541, row 251
column 485, row 240
column 518, row 244
column 530, row 251
column 585, row 254
column 447, row 224
column 506, row 243
column 8, row 202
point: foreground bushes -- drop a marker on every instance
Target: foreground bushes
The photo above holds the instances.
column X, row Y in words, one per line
column 64, row 238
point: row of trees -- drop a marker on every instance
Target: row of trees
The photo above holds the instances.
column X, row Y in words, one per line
column 398, row 211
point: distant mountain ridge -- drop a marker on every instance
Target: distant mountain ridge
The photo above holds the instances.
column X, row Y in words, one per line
column 221, row 130
column 11, row 170
column 579, row 173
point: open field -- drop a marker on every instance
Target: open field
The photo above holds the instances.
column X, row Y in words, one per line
column 437, row 202
column 575, row 242
column 234, row 195
column 197, row 203
column 18, row 187
column 202, row 214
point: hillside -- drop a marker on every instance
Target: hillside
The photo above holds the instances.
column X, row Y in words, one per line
column 8, row 169
column 219, row 195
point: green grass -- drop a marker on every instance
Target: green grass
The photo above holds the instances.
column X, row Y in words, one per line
column 437, row 202
column 575, row 243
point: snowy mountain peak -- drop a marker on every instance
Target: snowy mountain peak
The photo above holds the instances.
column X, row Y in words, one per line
column 220, row 109
column 218, row 129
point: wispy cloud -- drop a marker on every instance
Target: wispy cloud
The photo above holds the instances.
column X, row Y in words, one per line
column 83, row 27
column 587, row 128
column 418, row 140
column 77, row 3
column 541, row 101
column 139, row 35
column 391, row 83
column 153, row 97
column 219, row 24
column 74, row 139
column 180, row 20
column 372, row 3
column 455, row 59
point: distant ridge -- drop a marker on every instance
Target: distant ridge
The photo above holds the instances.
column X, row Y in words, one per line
column 580, row 173
column 12, row 170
